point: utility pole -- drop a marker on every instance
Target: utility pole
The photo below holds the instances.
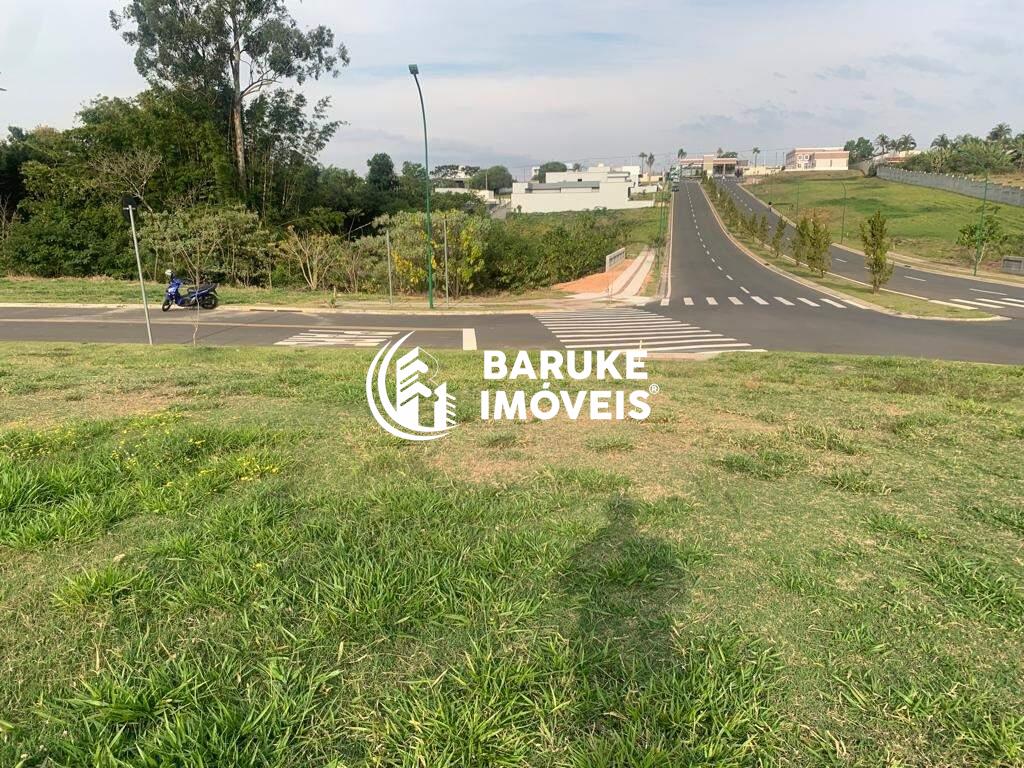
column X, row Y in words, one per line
column 128, row 205
column 842, row 233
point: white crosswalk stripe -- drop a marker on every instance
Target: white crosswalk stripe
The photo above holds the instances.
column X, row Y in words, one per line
column 633, row 329
column 315, row 338
column 713, row 301
column 987, row 302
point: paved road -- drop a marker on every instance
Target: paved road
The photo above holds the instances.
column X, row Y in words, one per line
column 721, row 300
column 970, row 293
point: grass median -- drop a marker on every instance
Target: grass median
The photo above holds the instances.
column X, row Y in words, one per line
column 897, row 302
column 924, row 222
column 214, row 557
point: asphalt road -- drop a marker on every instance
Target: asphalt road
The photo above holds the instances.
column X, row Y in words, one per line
column 970, row 293
column 721, row 300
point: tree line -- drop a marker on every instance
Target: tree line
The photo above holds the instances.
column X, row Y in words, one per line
column 999, row 151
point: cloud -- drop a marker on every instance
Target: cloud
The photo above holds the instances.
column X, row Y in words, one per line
column 842, row 72
column 919, row 63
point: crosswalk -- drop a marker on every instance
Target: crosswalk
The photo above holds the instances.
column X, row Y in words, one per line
column 749, row 300
column 317, row 338
column 985, row 302
column 633, row 329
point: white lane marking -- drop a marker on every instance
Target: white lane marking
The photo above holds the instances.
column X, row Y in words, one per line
column 664, row 302
column 994, row 293
column 808, row 302
column 759, row 300
column 735, row 300
column 976, row 303
column 712, row 301
column 468, row 338
column 783, row 301
column 834, row 303
column 314, row 338
column 919, row 279
column 719, row 267
column 744, row 290
column 688, row 301
column 728, row 277
column 842, row 260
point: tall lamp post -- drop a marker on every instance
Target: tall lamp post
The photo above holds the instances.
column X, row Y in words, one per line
column 414, row 70
column 842, row 232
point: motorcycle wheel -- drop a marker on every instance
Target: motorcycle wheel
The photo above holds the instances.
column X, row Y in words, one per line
column 209, row 301
column 165, row 306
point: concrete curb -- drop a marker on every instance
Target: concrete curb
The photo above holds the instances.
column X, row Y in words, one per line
column 831, row 291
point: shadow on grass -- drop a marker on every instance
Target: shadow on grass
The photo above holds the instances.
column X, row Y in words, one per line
column 654, row 692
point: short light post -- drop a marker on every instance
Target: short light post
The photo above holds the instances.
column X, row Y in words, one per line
column 415, row 71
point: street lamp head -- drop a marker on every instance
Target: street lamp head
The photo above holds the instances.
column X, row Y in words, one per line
column 414, row 70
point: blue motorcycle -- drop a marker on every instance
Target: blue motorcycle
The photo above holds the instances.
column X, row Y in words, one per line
column 202, row 296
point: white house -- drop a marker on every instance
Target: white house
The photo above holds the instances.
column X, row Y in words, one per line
column 817, row 159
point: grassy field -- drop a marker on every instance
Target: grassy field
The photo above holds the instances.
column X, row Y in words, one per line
column 213, row 557
column 858, row 291
column 106, row 290
column 924, row 222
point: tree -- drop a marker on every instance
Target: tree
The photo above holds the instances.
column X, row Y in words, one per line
column 316, row 256
column 1001, row 132
column 942, row 141
column 802, row 241
column 643, row 160
column 381, row 173
column 681, row 154
column 650, row 164
column 1017, row 151
column 874, row 235
column 819, row 257
column 755, row 152
column 860, row 149
column 494, row 178
column 905, row 143
column 883, row 143
column 552, row 166
column 236, row 47
column 778, row 236
column 978, row 237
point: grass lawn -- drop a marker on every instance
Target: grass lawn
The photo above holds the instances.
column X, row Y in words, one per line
column 213, row 557
column 924, row 222
column 106, row 290
column 888, row 299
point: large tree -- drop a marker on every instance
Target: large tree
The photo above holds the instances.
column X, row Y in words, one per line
column 233, row 47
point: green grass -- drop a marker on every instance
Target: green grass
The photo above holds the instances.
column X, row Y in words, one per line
column 924, row 222
column 642, row 225
column 897, row 302
column 106, row 290
column 213, row 557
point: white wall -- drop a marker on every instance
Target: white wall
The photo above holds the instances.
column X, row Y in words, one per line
column 612, row 195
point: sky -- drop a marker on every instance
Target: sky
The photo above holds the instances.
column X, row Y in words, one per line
column 520, row 82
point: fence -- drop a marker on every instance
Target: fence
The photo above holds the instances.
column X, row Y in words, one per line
column 963, row 185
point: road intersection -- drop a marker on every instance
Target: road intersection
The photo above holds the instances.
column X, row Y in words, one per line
column 721, row 300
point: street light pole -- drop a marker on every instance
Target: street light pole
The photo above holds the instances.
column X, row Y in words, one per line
column 842, row 233
column 981, row 226
column 415, row 71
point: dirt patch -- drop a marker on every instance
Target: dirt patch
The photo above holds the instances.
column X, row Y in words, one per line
column 595, row 283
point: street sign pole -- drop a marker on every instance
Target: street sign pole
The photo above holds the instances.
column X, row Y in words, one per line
column 138, row 262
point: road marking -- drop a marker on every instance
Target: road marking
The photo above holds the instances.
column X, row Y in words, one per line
column 744, row 290
column 468, row 338
column 1009, row 300
column 719, row 267
column 688, row 301
column 842, row 260
column 919, row 279
column 664, row 302
column 712, row 301
column 994, row 293
column 735, row 300
column 315, row 338
column 834, row 303
column 783, row 301
column 808, row 302
column 759, row 300
column 728, row 277
column 976, row 303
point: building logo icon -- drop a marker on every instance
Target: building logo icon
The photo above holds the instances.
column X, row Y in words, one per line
column 402, row 398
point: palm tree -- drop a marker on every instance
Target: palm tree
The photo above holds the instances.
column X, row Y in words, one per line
column 883, row 143
column 681, row 154
column 905, row 143
column 755, row 152
column 1017, row 150
column 1001, row 132
column 942, row 141
column 643, row 160
column 650, row 165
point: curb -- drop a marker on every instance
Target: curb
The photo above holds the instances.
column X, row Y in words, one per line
column 831, row 291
